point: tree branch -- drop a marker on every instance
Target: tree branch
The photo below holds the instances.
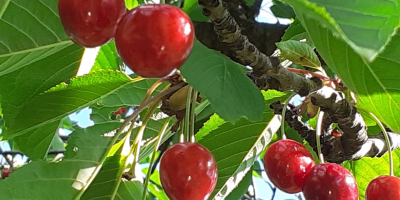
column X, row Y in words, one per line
column 337, row 149
column 247, row 53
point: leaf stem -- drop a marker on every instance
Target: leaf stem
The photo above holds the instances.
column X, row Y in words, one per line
column 387, row 140
column 304, row 72
column 318, row 135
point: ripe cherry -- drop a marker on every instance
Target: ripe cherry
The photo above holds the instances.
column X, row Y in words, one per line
column 188, row 171
column 154, row 39
column 330, row 181
column 90, row 23
column 120, row 111
column 383, row 187
column 5, row 173
column 287, row 162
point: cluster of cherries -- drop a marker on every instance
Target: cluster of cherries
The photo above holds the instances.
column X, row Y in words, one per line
column 291, row 168
column 155, row 39
column 152, row 39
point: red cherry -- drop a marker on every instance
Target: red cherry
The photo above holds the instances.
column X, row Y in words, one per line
column 6, row 173
column 383, row 187
column 330, row 181
column 188, row 171
column 287, row 162
column 154, row 39
column 90, row 23
column 120, row 111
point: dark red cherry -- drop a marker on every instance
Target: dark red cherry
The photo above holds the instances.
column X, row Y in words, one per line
column 287, row 162
column 5, row 173
column 383, row 187
column 90, row 23
column 188, row 171
column 330, row 181
column 154, row 39
column 120, row 111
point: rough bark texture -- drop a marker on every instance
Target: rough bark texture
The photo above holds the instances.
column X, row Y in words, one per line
column 234, row 26
column 353, row 144
column 246, row 53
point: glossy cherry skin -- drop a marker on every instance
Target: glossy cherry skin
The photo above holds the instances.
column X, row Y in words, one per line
column 90, row 23
column 188, row 171
column 120, row 111
column 5, row 173
column 383, row 187
column 286, row 163
column 154, row 39
column 330, row 181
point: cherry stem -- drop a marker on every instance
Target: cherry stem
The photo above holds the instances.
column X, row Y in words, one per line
column 304, row 72
column 193, row 115
column 152, row 89
column 387, row 140
column 181, row 131
column 159, row 139
column 142, row 106
column 147, row 102
column 187, row 114
column 318, row 135
column 136, row 144
column 283, row 116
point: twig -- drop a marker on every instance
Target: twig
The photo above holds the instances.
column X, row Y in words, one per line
column 247, row 53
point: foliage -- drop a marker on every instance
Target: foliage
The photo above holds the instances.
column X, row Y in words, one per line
column 39, row 89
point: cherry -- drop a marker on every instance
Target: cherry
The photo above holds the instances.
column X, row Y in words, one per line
column 90, row 23
column 330, row 181
column 188, row 171
column 287, row 162
column 383, row 187
column 5, row 173
column 120, row 111
column 154, row 39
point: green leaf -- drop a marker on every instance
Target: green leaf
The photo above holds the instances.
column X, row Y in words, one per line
column 64, row 99
column 366, row 169
column 28, row 81
column 132, row 190
column 40, row 117
column 86, row 151
column 35, row 33
column 230, row 92
column 131, row 3
column 108, row 58
column 108, row 182
column 213, row 123
column 299, row 53
column 127, row 96
column 282, row 10
column 249, row 2
column 107, row 179
column 375, row 84
column 236, row 147
column 155, row 185
column 188, row 5
column 242, row 187
column 365, row 28
column 297, row 32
